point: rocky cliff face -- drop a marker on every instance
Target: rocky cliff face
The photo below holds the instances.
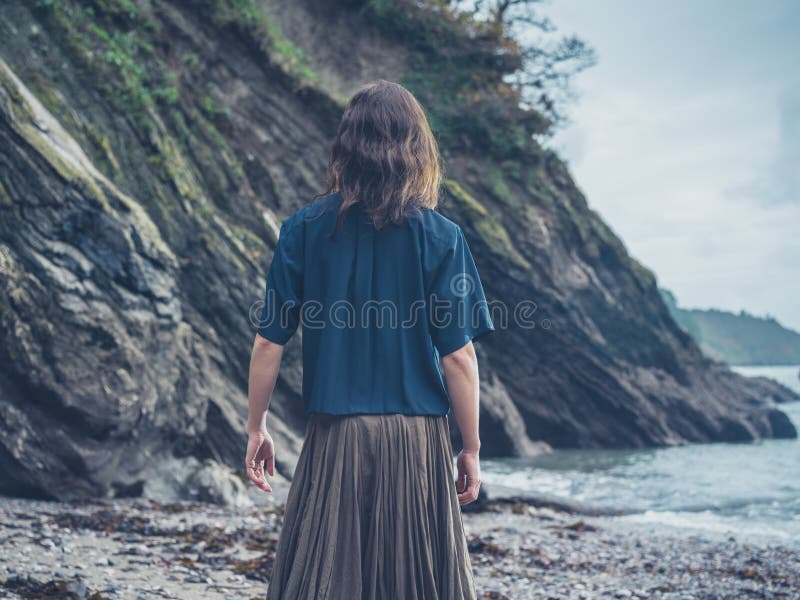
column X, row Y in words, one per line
column 148, row 152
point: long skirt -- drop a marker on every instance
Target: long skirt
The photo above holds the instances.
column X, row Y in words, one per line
column 372, row 514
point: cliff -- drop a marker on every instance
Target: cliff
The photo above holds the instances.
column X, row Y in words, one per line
column 149, row 151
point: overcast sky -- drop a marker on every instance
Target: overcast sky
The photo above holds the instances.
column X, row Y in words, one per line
column 686, row 138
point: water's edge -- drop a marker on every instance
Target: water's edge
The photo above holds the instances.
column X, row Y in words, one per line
column 748, row 490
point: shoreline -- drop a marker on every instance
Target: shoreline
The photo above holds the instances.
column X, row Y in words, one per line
column 588, row 553
column 139, row 548
column 616, row 518
column 508, row 497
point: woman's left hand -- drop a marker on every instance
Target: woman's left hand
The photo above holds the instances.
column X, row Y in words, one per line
column 260, row 450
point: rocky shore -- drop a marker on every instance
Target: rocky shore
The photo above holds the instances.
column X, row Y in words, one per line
column 142, row 549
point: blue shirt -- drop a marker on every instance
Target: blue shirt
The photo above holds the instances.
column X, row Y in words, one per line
column 378, row 307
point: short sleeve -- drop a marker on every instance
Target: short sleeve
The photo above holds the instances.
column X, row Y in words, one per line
column 458, row 310
column 280, row 316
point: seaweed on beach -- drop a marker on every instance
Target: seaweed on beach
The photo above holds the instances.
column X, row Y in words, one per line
column 198, row 544
column 28, row 587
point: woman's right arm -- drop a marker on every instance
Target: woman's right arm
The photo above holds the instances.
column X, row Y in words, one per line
column 460, row 370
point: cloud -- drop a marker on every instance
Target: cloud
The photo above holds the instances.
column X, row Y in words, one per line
column 780, row 183
column 691, row 150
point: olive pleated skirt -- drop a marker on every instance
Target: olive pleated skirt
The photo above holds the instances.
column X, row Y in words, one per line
column 372, row 514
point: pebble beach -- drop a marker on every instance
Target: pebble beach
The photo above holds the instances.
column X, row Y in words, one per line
column 140, row 549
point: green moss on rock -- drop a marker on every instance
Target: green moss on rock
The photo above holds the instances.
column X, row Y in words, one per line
column 489, row 229
column 5, row 197
column 91, row 139
column 499, row 186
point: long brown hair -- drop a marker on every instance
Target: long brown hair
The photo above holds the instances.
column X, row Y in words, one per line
column 384, row 155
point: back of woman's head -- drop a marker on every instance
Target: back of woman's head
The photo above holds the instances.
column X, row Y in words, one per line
column 384, row 156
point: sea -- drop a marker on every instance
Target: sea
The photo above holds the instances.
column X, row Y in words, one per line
column 746, row 491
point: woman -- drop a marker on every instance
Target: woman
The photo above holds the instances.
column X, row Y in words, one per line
column 390, row 301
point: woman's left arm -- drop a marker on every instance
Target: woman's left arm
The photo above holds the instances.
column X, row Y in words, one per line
column 265, row 361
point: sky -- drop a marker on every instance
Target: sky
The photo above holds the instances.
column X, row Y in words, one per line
column 685, row 137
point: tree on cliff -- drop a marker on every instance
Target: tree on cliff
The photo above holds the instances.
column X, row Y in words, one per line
column 548, row 61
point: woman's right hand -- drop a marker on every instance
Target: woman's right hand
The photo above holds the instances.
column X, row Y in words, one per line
column 469, row 476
